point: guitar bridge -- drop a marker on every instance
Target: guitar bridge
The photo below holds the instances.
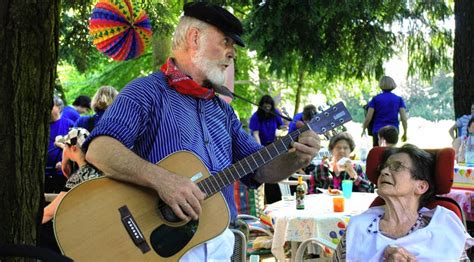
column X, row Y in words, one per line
column 133, row 230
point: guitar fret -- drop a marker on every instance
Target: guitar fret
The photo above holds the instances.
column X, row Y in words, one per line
column 276, row 151
column 253, row 158
column 248, row 164
column 284, row 144
column 236, row 171
column 220, row 178
column 268, row 154
column 240, row 163
column 205, row 187
column 226, row 178
column 214, row 183
column 281, row 146
column 210, row 185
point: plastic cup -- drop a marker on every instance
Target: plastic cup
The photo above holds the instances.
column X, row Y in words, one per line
column 347, row 188
column 338, row 204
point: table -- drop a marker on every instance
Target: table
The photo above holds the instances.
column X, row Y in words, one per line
column 465, row 199
column 316, row 220
column 463, row 177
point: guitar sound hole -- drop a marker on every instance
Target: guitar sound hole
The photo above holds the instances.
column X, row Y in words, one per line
column 168, row 213
column 167, row 240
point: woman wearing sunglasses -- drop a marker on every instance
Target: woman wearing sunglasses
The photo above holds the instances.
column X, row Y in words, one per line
column 403, row 229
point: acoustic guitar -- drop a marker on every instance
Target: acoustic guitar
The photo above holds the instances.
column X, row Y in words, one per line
column 107, row 220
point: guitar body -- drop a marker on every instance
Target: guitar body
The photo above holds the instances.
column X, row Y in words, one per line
column 88, row 224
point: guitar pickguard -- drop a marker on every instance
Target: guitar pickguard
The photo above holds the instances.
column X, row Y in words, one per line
column 167, row 240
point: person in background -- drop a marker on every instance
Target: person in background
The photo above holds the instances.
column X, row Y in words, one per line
column 263, row 124
column 176, row 109
column 330, row 173
column 385, row 108
column 388, row 136
column 461, row 125
column 58, row 126
column 403, row 229
column 71, row 144
column 309, row 111
column 459, row 143
column 81, row 105
column 102, row 99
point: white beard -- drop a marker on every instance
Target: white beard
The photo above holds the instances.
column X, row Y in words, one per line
column 212, row 69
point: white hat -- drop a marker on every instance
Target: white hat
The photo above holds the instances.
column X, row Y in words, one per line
column 75, row 136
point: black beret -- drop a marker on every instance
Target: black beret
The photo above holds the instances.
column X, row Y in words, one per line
column 218, row 17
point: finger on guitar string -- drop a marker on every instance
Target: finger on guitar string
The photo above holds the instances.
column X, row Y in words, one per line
column 307, row 146
column 192, row 208
column 179, row 212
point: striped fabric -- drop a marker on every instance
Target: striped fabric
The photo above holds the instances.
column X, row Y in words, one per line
column 153, row 120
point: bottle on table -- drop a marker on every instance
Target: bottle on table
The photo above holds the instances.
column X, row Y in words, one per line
column 300, row 192
column 469, row 150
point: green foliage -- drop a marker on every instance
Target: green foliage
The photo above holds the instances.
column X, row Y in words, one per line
column 349, row 40
column 114, row 73
column 433, row 102
column 341, row 47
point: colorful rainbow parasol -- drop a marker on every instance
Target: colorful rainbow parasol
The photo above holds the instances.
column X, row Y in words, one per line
column 120, row 29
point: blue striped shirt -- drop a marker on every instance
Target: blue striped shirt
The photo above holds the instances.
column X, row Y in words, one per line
column 154, row 121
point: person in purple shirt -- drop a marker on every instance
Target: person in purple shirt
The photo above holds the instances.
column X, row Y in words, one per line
column 81, row 105
column 385, row 108
column 263, row 124
column 58, row 126
column 292, row 126
column 176, row 109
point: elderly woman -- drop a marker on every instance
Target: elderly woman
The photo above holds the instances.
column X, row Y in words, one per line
column 329, row 174
column 402, row 229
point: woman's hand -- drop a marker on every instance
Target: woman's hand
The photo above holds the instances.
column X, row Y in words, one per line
column 396, row 253
column 350, row 169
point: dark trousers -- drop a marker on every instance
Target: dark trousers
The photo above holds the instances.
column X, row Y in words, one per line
column 375, row 140
column 47, row 239
column 272, row 193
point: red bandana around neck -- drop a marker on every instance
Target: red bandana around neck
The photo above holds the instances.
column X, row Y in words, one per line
column 184, row 84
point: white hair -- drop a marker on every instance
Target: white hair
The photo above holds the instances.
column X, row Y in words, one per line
column 186, row 23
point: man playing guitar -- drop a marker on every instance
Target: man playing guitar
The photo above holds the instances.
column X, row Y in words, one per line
column 176, row 109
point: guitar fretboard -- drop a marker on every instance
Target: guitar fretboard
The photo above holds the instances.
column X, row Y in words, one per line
column 249, row 164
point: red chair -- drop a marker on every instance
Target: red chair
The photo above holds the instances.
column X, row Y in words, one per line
column 444, row 172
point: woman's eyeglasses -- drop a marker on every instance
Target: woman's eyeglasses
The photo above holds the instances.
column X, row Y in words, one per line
column 394, row 166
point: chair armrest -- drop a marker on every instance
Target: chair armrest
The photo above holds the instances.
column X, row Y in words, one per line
column 323, row 243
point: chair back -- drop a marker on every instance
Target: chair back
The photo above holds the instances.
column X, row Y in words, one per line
column 240, row 246
column 444, row 173
column 284, row 186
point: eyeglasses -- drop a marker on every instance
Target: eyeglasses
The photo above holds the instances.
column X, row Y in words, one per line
column 394, row 166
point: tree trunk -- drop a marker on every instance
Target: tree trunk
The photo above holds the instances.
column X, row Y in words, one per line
column 463, row 89
column 28, row 57
column 299, row 87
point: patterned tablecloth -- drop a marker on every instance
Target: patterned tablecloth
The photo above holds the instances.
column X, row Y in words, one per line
column 463, row 177
column 465, row 199
column 316, row 220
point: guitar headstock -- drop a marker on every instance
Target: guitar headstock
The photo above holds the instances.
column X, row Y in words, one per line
column 330, row 118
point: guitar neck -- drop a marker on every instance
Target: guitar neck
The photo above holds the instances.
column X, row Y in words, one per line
column 249, row 164
column 321, row 123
